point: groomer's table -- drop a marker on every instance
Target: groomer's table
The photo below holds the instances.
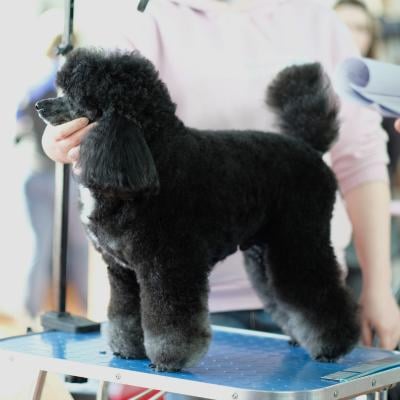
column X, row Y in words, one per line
column 239, row 365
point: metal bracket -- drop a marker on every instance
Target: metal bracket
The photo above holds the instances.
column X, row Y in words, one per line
column 365, row 369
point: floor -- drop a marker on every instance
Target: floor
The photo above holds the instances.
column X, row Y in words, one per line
column 10, row 326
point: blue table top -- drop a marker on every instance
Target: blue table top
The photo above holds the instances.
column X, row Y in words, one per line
column 236, row 358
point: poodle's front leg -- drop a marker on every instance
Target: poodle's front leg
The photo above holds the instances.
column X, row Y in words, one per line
column 125, row 330
column 174, row 314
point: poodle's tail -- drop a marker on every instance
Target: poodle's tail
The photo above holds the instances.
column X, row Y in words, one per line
column 306, row 105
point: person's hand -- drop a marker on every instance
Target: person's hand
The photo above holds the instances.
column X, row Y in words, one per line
column 397, row 125
column 61, row 142
column 380, row 315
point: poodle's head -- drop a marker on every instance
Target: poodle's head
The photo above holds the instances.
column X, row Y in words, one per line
column 94, row 82
column 123, row 93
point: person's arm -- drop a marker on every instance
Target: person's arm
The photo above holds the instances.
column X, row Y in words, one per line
column 359, row 160
column 368, row 208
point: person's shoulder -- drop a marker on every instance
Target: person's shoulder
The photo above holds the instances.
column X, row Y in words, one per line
column 318, row 16
column 313, row 7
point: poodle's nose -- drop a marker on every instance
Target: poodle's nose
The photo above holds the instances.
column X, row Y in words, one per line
column 39, row 104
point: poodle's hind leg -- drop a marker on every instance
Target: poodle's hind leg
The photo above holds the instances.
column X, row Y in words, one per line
column 256, row 267
column 322, row 315
column 125, row 330
column 174, row 312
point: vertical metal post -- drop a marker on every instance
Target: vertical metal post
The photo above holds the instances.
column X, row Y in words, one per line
column 102, row 392
column 61, row 206
column 60, row 235
column 62, row 319
column 66, row 45
column 384, row 395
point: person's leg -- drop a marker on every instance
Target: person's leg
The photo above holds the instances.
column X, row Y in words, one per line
column 39, row 199
column 262, row 321
column 233, row 319
column 77, row 260
column 394, row 393
column 258, row 320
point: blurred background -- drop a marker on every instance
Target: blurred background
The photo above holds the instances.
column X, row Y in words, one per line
column 30, row 33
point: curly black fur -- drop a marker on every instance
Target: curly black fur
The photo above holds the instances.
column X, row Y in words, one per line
column 164, row 203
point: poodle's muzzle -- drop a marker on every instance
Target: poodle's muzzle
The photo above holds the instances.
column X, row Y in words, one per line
column 57, row 110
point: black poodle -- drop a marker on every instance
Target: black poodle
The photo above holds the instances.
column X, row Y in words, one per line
column 163, row 203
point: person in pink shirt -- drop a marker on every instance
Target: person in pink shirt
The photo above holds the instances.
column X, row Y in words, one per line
column 217, row 58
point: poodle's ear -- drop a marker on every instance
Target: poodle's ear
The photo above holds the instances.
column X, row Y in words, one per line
column 115, row 158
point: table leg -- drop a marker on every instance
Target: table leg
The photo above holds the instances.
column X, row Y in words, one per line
column 382, row 395
column 102, row 392
column 39, row 385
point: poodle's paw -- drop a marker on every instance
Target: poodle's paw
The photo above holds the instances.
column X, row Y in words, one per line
column 332, row 349
column 328, row 356
column 329, row 331
column 328, row 347
column 173, row 351
column 163, row 368
column 128, row 348
column 293, row 343
column 126, row 338
column 324, row 359
column 333, row 342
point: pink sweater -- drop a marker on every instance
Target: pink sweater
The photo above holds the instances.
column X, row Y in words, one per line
column 217, row 58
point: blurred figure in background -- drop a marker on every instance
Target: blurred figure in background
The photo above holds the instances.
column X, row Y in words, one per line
column 365, row 29
column 366, row 33
column 39, row 186
column 362, row 24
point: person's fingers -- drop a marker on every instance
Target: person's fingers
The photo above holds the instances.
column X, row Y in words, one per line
column 76, row 169
column 389, row 338
column 50, row 145
column 57, row 149
column 73, row 154
column 52, row 136
column 388, row 341
column 72, row 141
column 366, row 334
column 69, row 128
column 397, row 125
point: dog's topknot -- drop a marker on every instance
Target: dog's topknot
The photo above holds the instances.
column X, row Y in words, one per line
column 99, row 79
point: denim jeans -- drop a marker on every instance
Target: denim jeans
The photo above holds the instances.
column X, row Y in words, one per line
column 39, row 198
column 257, row 320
